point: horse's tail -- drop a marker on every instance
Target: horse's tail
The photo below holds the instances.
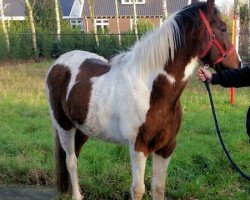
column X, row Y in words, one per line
column 62, row 175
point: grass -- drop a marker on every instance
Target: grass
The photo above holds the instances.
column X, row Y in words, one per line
column 198, row 170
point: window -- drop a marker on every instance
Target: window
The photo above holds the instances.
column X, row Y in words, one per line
column 131, row 1
column 102, row 25
column 74, row 24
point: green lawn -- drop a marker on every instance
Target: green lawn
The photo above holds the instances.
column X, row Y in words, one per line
column 198, row 170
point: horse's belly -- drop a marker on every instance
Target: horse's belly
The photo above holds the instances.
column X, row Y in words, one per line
column 113, row 135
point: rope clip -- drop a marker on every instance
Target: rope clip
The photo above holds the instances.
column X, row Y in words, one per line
column 206, row 66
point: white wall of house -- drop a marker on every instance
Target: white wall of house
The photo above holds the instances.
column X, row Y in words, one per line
column 76, row 11
column 75, row 15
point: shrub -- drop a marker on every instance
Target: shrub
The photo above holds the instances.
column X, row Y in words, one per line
column 21, row 46
column 144, row 25
column 48, row 47
column 109, row 46
column 3, row 50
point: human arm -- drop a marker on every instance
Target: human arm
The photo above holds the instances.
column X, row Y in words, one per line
column 226, row 78
column 232, row 77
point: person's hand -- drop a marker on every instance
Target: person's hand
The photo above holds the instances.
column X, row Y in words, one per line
column 204, row 74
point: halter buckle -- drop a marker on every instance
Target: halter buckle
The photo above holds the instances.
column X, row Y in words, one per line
column 212, row 37
column 206, row 66
column 224, row 55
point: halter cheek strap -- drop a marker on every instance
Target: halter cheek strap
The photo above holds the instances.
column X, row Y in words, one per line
column 213, row 40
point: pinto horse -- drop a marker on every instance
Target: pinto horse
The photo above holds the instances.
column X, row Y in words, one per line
column 135, row 98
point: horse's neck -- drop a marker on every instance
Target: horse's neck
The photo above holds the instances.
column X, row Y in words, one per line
column 177, row 75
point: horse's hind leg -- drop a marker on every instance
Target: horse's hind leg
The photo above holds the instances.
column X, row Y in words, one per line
column 67, row 139
column 161, row 159
column 138, row 161
column 80, row 139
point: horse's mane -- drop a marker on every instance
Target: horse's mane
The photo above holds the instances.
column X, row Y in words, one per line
column 159, row 46
column 152, row 51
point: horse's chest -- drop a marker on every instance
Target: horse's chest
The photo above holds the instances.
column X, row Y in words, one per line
column 163, row 118
column 159, row 130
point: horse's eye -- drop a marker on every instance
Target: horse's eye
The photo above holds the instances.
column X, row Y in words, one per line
column 223, row 29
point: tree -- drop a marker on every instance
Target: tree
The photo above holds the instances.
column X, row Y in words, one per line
column 32, row 26
column 117, row 22
column 44, row 14
column 58, row 23
column 5, row 31
column 244, row 28
column 165, row 9
column 135, row 21
column 92, row 18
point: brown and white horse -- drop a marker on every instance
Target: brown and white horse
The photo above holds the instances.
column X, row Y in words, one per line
column 134, row 99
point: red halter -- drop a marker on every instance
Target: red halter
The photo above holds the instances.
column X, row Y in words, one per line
column 213, row 39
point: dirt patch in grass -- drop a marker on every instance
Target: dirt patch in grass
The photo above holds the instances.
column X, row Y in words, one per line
column 24, row 192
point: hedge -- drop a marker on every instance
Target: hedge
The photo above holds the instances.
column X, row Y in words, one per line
column 21, row 45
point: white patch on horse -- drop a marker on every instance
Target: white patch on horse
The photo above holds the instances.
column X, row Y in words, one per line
column 73, row 60
column 171, row 78
column 160, row 166
column 189, row 69
column 138, row 162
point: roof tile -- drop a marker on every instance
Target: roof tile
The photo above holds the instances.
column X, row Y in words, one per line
column 66, row 6
column 14, row 8
column 106, row 8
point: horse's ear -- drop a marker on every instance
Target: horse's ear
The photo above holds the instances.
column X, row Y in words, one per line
column 210, row 5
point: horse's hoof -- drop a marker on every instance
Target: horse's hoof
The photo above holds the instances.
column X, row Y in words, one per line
column 80, row 197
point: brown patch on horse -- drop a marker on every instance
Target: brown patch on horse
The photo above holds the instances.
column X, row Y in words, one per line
column 79, row 96
column 163, row 120
column 80, row 139
column 58, row 81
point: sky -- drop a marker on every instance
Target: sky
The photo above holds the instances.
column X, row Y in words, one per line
column 220, row 3
column 224, row 5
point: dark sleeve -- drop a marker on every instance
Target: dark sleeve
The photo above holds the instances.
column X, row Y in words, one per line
column 232, row 78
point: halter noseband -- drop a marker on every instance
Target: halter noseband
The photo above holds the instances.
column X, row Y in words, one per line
column 213, row 40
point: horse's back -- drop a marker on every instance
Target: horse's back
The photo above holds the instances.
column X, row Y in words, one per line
column 75, row 58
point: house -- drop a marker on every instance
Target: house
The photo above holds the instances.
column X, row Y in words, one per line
column 104, row 12
column 14, row 10
column 72, row 11
column 77, row 12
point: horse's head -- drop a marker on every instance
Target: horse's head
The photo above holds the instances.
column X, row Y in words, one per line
column 217, row 50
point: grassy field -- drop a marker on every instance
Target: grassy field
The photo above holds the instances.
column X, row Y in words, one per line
column 198, row 170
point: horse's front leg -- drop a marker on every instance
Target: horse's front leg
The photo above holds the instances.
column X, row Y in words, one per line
column 138, row 162
column 161, row 159
column 160, row 165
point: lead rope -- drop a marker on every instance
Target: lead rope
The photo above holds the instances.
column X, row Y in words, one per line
column 236, row 168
